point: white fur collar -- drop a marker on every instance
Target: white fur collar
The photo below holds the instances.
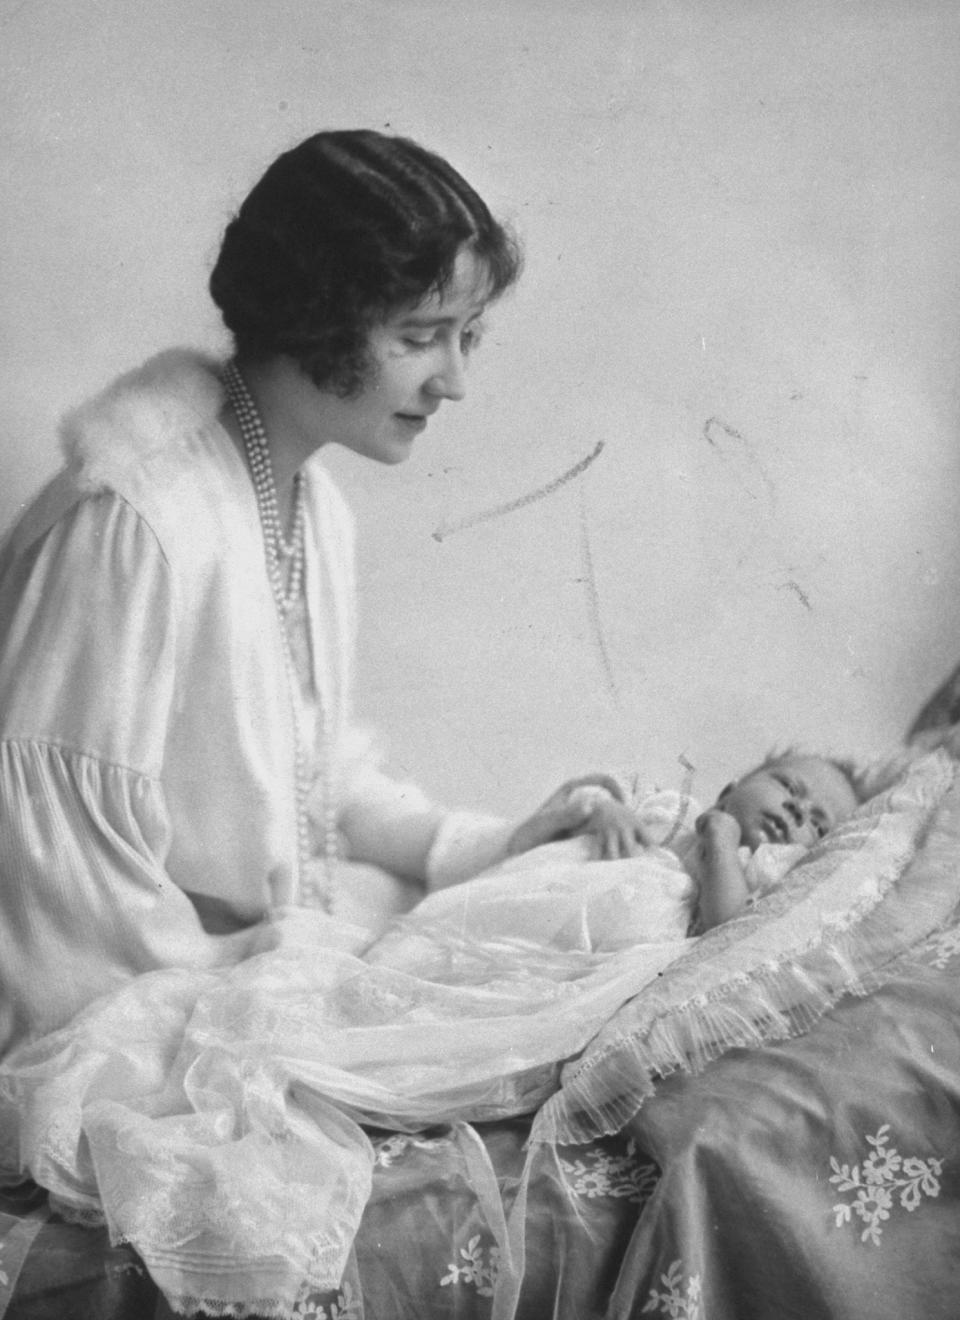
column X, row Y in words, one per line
column 170, row 397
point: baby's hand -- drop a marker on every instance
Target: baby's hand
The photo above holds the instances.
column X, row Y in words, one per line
column 718, row 828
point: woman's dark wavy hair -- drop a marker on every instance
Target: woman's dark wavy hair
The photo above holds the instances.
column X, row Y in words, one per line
column 340, row 232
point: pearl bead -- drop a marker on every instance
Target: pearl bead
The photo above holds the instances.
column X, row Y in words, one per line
column 314, row 890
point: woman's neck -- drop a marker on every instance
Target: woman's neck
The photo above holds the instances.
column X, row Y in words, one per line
column 273, row 387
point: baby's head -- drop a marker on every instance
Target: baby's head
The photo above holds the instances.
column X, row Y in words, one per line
column 790, row 798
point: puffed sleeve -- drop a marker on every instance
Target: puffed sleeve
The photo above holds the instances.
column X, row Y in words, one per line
column 87, row 645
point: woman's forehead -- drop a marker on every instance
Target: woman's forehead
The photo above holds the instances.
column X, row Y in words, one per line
column 465, row 294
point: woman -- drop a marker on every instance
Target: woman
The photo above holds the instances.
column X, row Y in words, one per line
column 178, row 603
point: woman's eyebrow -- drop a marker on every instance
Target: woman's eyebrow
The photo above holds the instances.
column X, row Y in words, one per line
column 431, row 319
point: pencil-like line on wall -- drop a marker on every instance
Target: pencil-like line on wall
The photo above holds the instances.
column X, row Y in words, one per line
column 593, row 601
column 530, row 498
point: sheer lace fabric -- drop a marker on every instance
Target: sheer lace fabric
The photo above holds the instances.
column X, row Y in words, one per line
column 879, row 884
column 214, row 1116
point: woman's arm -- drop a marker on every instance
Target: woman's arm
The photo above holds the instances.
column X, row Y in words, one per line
column 591, row 805
column 394, row 826
column 86, row 665
column 723, row 887
column 390, row 824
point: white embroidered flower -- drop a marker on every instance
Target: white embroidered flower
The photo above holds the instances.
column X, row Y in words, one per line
column 620, row 1176
column 943, row 947
column 345, row 1307
column 480, row 1269
column 390, row 1149
column 672, row 1302
column 881, row 1166
column 878, row 1180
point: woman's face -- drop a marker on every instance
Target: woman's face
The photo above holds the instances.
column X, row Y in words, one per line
column 418, row 359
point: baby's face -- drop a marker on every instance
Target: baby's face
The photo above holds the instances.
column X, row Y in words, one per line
column 797, row 799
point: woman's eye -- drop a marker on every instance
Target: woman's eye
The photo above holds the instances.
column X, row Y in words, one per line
column 412, row 341
column 470, row 338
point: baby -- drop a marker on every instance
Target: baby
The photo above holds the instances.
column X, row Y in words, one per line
column 757, row 830
column 792, row 800
column 642, row 879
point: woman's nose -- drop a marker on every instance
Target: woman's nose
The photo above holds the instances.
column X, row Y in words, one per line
column 450, row 382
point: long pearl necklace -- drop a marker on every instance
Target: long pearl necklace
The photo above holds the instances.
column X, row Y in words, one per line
column 316, row 890
column 279, row 549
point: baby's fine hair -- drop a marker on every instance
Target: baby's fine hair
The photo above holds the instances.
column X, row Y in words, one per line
column 847, row 767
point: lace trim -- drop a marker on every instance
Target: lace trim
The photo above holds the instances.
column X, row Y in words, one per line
column 89, row 1216
column 264, row 1308
column 298, row 1302
column 756, row 995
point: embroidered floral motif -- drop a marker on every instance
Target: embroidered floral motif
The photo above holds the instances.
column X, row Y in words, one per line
column 346, row 1306
column 878, row 1179
column 389, row 1150
column 672, row 1301
column 603, row 1174
column 944, row 946
column 481, row 1268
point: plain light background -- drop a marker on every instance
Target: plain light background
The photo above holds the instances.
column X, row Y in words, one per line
column 741, row 298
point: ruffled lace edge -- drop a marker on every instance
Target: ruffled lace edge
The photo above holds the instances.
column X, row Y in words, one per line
column 261, row 1309
column 783, row 998
column 205, row 1293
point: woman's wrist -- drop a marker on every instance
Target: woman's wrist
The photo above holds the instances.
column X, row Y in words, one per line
column 464, row 844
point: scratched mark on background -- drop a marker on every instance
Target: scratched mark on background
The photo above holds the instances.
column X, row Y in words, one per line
column 798, row 591
column 593, row 602
column 719, row 434
column 522, row 501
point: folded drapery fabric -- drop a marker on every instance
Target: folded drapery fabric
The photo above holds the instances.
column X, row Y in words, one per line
column 876, row 886
column 214, row 1117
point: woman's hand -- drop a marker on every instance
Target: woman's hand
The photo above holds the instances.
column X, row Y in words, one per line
column 566, row 812
column 615, row 827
